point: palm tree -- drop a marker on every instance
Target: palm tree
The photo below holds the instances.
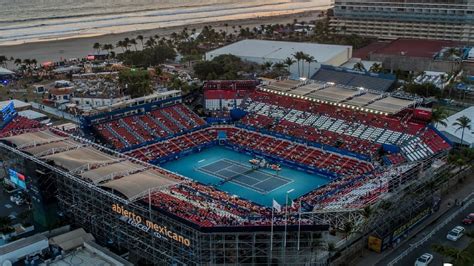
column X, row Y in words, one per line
column 298, row 56
column 376, row 68
column 267, row 65
column 140, row 38
column 126, row 43
column 310, row 59
column 3, row 60
column 121, row 45
column 97, row 47
column 438, row 116
column 303, row 60
column 17, row 62
column 134, row 43
column 108, row 47
column 288, row 62
column 462, row 122
column 278, row 66
column 359, row 67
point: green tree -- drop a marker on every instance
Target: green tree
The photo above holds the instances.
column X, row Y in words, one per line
column 134, row 43
column 462, row 123
column 3, row 60
column 310, row 59
column 298, row 56
column 136, row 82
column 359, row 67
column 97, row 46
column 141, row 38
column 289, row 62
column 438, row 116
column 376, row 68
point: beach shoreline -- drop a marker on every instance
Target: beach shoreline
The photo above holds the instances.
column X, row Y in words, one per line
column 79, row 47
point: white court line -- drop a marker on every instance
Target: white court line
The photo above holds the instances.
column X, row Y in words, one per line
column 249, row 186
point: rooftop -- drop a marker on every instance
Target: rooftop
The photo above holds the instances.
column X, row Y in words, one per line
column 349, row 77
column 454, row 133
column 16, row 103
column 122, row 175
column 415, row 47
column 281, row 50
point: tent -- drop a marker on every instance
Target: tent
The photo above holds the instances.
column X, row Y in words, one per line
column 5, row 72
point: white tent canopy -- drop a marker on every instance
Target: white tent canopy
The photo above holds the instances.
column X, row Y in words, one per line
column 455, row 134
column 4, row 71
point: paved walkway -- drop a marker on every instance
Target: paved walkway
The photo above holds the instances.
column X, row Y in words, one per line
column 459, row 192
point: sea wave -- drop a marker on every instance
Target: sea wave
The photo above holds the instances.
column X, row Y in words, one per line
column 132, row 21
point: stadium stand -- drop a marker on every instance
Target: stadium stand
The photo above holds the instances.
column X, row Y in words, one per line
column 310, row 157
column 282, row 128
column 371, row 81
column 355, row 131
column 19, row 125
column 162, row 123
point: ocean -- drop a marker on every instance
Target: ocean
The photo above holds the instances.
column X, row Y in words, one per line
column 23, row 21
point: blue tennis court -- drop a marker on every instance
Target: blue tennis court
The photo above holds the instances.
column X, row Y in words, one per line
column 244, row 175
column 231, row 171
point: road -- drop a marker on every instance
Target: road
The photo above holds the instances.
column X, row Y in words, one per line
column 438, row 238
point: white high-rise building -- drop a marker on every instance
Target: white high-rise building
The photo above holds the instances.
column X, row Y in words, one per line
column 421, row 19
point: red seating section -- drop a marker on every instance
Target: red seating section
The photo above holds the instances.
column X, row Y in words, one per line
column 136, row 129
column 300, row 153
column 18, row 126
column 174, row 145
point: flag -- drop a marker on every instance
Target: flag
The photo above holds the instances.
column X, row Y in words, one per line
column 294, row 205
column 289, row 202
column 276, row 205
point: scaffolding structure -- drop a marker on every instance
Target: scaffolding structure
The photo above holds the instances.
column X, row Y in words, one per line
column 91, row 207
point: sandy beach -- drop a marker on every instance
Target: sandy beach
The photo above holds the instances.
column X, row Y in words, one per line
column 81, row 47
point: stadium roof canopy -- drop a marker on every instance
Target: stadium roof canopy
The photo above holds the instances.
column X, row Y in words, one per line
column 364, row 99
column 345, row 96
column 334, row 94
column 455, row 134
column 131, row 179
column 78, row 158
column 34, row 138
column 307, row 89
column 137, row 184
column 40, row 150
column 108, row 171
column 348, row 77
column 283, row 85
column 391, row 104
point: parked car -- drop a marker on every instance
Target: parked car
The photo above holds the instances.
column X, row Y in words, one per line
column 424, row 260
column 456, row 233
column 469, row 219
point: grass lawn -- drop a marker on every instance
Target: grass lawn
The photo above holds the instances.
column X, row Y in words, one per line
column 470, row 251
